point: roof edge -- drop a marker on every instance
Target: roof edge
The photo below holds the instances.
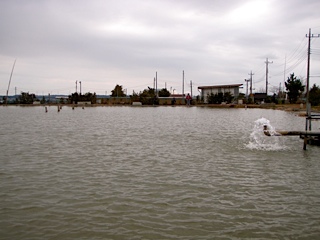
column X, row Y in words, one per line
column 221, row 86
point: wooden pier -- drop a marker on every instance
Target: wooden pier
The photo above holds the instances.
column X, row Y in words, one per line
column 308, row 136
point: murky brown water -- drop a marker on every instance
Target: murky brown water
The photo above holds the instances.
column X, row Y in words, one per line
column 155, row 173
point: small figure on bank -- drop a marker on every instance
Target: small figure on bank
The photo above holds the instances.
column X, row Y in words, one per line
column 155, row 100
column 173, row 101
column 188, row 98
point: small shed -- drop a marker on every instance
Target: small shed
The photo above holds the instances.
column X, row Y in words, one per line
column 259, row 97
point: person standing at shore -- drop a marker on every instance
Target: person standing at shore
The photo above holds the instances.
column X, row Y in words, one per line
column 188, row 98
column 173, row 101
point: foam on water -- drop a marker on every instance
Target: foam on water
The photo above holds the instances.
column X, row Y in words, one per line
column 259, row 141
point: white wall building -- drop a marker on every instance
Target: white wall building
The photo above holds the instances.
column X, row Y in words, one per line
column 231, row 88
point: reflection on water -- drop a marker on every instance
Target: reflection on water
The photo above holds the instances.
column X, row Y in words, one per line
column 155, row 173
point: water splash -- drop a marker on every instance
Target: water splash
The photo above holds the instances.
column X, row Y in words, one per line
column 259, row 141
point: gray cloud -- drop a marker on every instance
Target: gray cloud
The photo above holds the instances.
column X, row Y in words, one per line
column 103, row 43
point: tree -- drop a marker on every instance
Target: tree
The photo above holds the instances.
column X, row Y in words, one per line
column 218, row 98
column 227, row 97
column 43, row 100
column 88, row 97
column 118, row 91
column 294, row 87
column 26, row 98
column 211, row 98
column 148, row 97
column 73, row 98
column 164, row 93
column 314, row 95
column 135, row 97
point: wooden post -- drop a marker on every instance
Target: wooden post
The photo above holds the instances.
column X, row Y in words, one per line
column 305, row 142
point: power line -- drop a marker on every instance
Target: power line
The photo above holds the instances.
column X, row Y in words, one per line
column 300, row 48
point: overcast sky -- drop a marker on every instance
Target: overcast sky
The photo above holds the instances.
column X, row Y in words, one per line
column 104, row 43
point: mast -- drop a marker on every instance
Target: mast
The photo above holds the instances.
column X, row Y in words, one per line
column 10, row 81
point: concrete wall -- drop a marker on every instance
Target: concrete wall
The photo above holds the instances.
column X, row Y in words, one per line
column 84, row 103
column 168, row 101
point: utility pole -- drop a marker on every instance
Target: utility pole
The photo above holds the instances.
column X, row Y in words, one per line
column 156, row 84
column 309, row 36
column 279, row 88
column 77, row 86
column 247, row 80
column 308, row 66
column 250, row 82
column 80, row 87
column 308, row 121
column 284, row 71
column 191, row 87
column 267, row 63
column 182, row 83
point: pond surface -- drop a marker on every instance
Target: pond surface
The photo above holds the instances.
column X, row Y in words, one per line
column 155, row 173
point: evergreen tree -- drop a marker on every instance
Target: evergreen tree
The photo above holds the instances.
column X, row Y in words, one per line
column 164, row 93
column 43, row 100
column 227, row 97
column 148, row 97
column 314, row 95
column 88, row 97
column 118, row 91
column 26, row 98
column 294, row 87
column 218, row 98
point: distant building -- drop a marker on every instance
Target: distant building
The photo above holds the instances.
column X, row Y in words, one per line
column 259, row 97
column 215, row 89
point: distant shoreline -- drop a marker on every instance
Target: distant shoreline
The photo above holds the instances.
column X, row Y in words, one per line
column 284, row 107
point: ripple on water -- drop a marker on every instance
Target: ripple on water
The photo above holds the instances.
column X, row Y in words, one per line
column 154, row 173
